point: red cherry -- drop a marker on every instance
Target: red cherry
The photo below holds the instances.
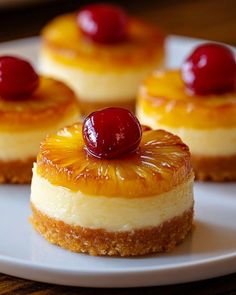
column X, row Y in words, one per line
column 210, row 69
column 103, row 23
column 111, row 132
column 17, row 77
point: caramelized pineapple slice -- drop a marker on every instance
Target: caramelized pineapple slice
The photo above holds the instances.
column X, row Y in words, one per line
column 62, row 39
column 163, row 97
column 49, row 104
column 161, row 162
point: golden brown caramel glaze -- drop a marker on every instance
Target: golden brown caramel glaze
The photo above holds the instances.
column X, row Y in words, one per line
column 63, row 39
column 215, row 168
column 161, row 163
column 52, row 102
column 16, row 171
column 163, row 97
column 162, row 238
column 89, row 107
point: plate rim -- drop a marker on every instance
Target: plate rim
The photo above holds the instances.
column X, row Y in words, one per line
column 99, row 279
column 201, row 262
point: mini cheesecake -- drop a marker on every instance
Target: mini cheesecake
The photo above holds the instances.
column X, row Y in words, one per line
column 206, row 122
column 26, row 120
column 101, row 73
column 133, row 204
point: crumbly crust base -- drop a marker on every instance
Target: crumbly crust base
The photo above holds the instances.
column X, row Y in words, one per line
column 17, row 171
column 214, row 168
column 88, row 107
column 162, row 238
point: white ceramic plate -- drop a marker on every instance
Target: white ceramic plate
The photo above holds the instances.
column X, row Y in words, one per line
column 209, row 252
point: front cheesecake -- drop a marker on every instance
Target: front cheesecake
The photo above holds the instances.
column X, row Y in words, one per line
column 136, row 204
column 101, row 73
column 205, row 122
column 26, row 118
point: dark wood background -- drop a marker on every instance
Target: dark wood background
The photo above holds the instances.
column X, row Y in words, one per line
column 209, row 19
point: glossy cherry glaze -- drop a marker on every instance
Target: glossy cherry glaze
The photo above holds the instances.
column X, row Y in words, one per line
column 17, row 77
column 103, row 23
column 111, row 133
column 210, row 69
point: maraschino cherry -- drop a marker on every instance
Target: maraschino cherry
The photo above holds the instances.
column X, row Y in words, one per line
column 103, row 23
column 210, row 69
column 111, row 133
column 17, row 77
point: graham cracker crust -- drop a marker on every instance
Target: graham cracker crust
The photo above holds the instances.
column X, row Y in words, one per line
column 162, row 238
column 214, row 168
column 16, row 171
column 89, row 107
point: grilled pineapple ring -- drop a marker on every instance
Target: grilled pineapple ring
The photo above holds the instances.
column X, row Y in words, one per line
column 161, row 163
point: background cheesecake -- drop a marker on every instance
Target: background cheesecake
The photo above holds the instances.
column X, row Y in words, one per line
column 103, row 65
column 31, row 107
column 198, row 104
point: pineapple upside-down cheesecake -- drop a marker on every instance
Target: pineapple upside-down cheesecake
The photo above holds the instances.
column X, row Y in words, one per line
column 102, row 54
column 30, row 107
column 107, row 188
column 198, row 103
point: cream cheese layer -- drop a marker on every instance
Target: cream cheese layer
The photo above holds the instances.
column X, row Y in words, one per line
column 109, row 213
column 108, row 86
column 202, row 142
column 22, row 145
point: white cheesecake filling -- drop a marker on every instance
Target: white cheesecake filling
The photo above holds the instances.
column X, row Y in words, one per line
column 22, row 145
column 202, row 142
column 94, row 86
column 109, row 213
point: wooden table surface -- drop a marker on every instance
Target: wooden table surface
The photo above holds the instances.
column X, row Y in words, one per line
column 209, row 19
